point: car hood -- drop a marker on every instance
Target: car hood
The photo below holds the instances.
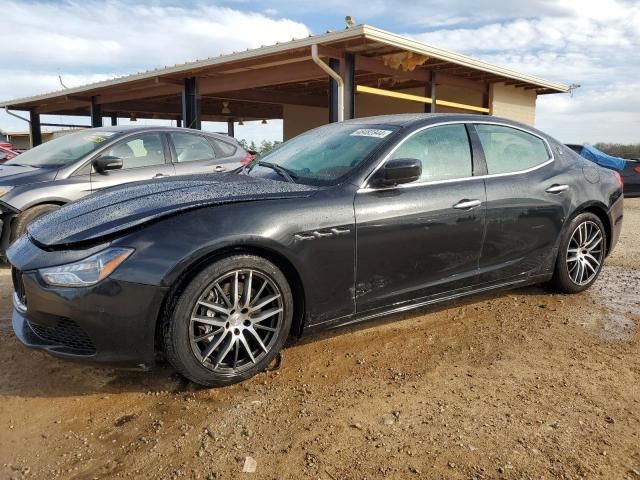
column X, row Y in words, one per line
column 121, row 208
column 15, row 175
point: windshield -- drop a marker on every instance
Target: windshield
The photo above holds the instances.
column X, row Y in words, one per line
column 324, row 155
column 64, row 150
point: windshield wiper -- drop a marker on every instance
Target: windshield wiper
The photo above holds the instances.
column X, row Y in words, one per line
column 283, row 172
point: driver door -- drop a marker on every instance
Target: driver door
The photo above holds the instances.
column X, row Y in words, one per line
column 424, row 238
column 144, row 157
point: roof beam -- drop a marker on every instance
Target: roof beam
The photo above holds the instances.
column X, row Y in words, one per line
column 238, row 110
column 271, row 96
column 374, row 65
column 50, row 108
column 169, row 81
column 296, row 72
column 141, row 93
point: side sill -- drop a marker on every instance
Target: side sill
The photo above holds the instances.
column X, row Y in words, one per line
column 354, row 319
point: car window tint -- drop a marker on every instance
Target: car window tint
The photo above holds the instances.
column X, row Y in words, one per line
column 226, row 148
column 509, row 150
column 444, row 152
column 143, row 150
column 191, row 148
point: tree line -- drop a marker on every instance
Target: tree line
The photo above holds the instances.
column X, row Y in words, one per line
column 631, row 150
column 262, row 148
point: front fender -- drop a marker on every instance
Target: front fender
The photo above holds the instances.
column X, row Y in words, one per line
column 165, row 250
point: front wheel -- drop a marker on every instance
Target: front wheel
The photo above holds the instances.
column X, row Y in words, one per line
column 230, row 321
column 24, row 219
column 581, row 254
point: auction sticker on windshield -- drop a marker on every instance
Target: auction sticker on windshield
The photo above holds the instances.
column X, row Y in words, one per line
column 98, row 137
column 371, row 132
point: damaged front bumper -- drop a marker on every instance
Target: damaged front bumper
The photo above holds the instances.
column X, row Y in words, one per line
column 7, row 214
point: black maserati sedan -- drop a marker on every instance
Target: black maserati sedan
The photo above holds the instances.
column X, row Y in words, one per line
column 344, row 223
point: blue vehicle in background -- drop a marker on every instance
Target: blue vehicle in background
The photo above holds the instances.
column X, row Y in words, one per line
column 629, row 169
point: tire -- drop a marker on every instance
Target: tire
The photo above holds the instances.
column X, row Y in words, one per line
column 209, row 319
column 581, row 254
column 24, row 219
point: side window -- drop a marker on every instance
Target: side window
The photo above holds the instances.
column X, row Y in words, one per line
column 444, row 152
column 143, row 150
column 510, row 150
column 191, row 148
column 84, row 170
column 226, row 148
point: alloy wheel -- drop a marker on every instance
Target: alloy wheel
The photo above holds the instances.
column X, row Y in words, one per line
column 585, row 252
column 236, row 321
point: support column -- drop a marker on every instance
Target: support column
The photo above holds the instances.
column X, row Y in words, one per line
column 334, row 63
column 178, row 122
column 349, row 77
column 486, row 98
column 231, row 131
column 432, row 82
column 114, row 120
column 35, row 131
column 96, row 113
column 190, row 104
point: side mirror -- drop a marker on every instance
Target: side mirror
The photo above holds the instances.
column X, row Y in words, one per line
column 398, row 171
column 107, row 162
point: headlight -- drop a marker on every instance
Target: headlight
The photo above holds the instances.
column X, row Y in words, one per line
column 88, row 271
column 4, row 190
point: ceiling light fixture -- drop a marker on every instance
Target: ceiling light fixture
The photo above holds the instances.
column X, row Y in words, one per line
column 225, row 108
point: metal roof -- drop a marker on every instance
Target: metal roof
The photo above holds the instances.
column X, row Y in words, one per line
column 366, row 32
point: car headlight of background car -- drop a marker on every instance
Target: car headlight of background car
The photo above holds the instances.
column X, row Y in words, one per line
column 4, row 190
column 86, row 272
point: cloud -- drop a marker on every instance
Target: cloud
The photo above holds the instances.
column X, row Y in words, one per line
column 91, row 34
column 594, row 44
column 89, row 41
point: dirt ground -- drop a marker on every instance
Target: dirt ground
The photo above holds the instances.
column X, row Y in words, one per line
column 522, row 384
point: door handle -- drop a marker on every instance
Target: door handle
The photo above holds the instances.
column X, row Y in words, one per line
column 467, row 204
column 160, row 175
column 219, row 168
column 557, row 188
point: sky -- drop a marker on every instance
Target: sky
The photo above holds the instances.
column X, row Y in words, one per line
column 593, row 43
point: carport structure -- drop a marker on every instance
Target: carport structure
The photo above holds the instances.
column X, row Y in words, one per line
column 359, row 71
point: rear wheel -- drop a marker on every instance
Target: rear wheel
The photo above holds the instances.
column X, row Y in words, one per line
column 581, row 254
column 230, row 321
column 24, row 219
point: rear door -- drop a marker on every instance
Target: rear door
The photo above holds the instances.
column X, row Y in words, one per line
column 423, row 238
column 528, row 194
column 193, row 153
column 144, row 157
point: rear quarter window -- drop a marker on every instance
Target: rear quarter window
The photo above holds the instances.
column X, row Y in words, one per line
column 226, row 148
column 509, row 150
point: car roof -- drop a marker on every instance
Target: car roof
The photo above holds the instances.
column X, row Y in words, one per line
column 143, row 128
column 411, row 119
column 417, row 120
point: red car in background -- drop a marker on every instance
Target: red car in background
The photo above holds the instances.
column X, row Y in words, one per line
column 6, row 152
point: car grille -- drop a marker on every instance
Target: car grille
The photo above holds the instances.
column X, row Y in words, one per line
column 67, row 333
column 18, row 286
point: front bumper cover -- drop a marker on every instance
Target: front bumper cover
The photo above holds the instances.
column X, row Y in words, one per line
column 112, row 323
